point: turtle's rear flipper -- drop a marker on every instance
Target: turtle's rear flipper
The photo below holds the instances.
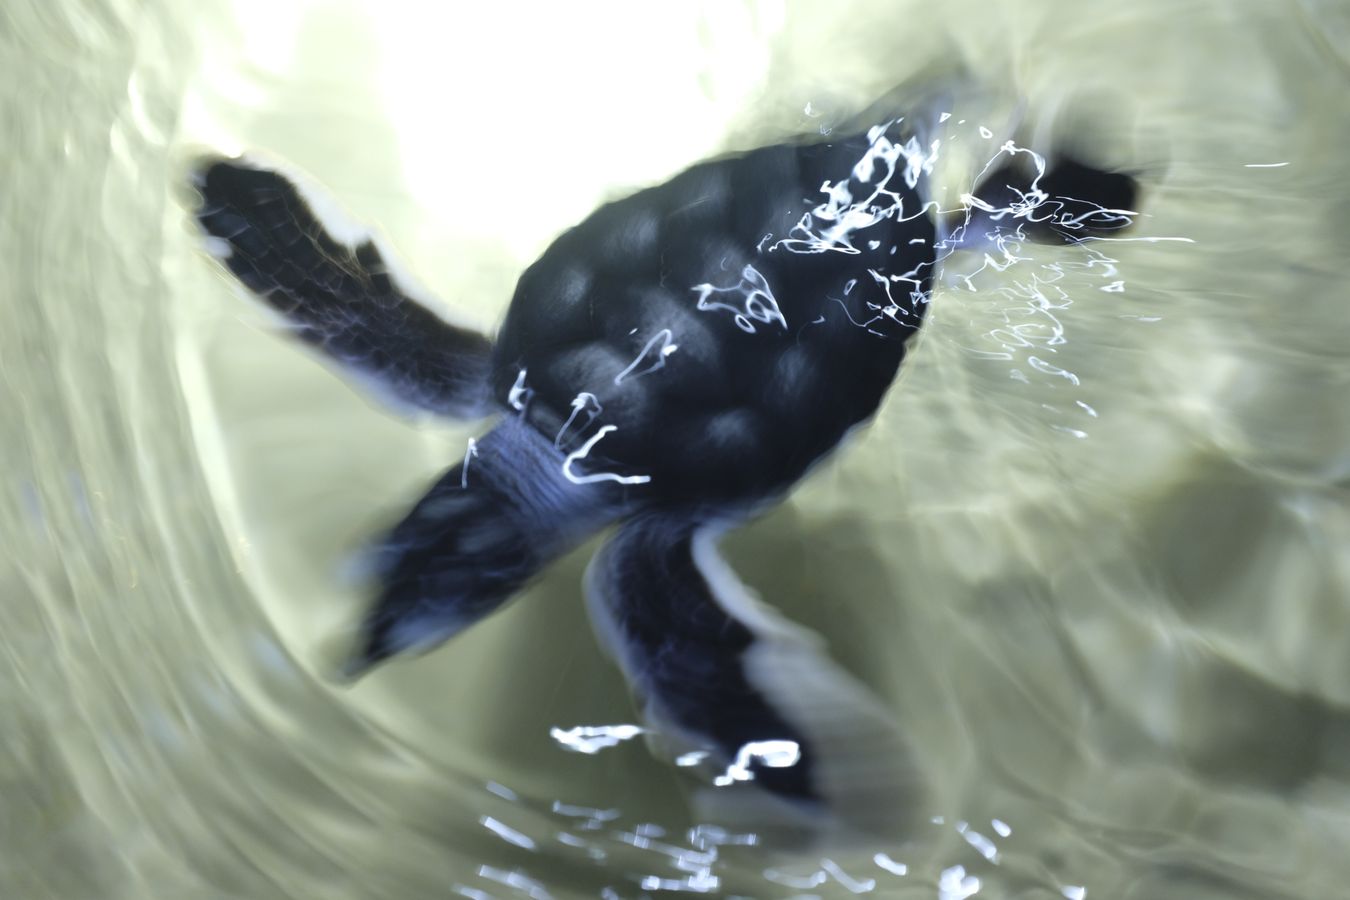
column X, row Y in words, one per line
column 727, row 680
column 339, row 296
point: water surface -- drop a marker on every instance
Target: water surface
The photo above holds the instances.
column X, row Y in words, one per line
column 1092, row 550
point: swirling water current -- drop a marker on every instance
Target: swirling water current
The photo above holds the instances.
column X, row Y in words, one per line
column 1093, row 550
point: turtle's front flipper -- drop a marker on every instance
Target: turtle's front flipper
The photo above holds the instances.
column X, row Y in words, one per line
column 486, row 527
column 1064, row 201
column 338, row 296
column 719, row 673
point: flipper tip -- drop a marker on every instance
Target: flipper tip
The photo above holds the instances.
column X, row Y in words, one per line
column 346, row 655
column 353, row 669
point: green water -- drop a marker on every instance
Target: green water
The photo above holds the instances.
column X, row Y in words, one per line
column 1092, row 551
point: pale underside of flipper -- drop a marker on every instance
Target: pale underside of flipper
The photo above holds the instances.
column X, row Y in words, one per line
column 723, row 677
column 335, row 289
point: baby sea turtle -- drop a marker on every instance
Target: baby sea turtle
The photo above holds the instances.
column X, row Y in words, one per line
column 672, row 366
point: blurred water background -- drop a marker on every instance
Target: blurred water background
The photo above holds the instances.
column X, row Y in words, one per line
column 1093, row 550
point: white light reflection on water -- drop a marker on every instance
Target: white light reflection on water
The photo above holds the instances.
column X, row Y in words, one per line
column 594, row 738
column 884, row 861
column 777, row 754
column 851, row 884
column 955, row 884
column 508, row 834
column 982, row 844
column 514, row 879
